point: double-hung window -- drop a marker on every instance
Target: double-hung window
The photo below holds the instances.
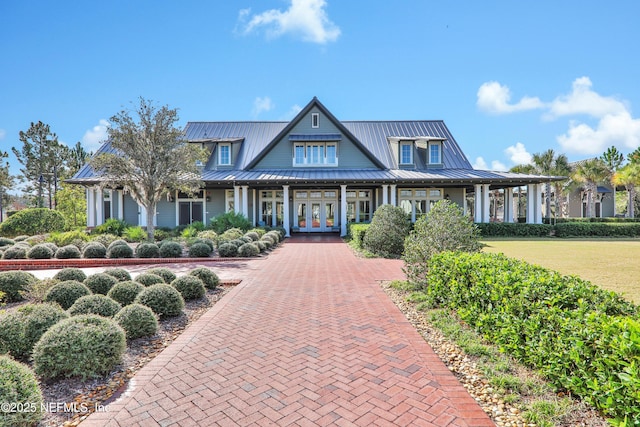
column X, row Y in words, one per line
column 435, row 154
column 224, row 154
column 406, row 153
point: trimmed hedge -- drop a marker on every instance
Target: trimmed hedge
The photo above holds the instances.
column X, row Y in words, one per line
column 70, row 273
column 40, row 251
column 167, row 275
column 119, row 273
column 98, row 304
column 94, row 250
column 163, row 299
column 148, row 279
column 137, row 321
column 170, row 249
column 227, row 250
column 125, row 292
column 248, row 250
column 68, row 252
column 18, row 384
column 119, row 251
column 66, row 293
column 597, row 229
column 100, row 283
column 190, row 287
column 14, row 283
column 357, row 231
column 208, row 277
column 32, row 221
column 147, row 250
column 505, row 229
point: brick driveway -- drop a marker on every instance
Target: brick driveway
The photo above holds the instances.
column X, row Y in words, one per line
column 308, row 338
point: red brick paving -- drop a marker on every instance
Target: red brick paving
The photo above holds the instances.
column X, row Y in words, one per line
column 307, row 339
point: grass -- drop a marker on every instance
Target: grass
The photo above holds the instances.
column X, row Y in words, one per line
column 609, row 263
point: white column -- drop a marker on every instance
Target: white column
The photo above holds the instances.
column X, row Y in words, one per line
column 385, row 194
column 99, row 206
column 91, row 207
column 236, row 198
column 486, row 204
column 538, row 217
column 245, row 201
column 531, row 204
column 508, row 205
column 142, row 216
column 465, row 208
column 477, row 205
column 120, row 194
column 343, row 210
column 285, row 204
column 255, row 209
column 393, row 194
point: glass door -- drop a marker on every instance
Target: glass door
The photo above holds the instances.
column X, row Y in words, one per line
column 316, row 223
column 329, row 215
column 301, row 211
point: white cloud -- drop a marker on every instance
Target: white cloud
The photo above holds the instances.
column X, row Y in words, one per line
column 518, row 154
column 94, row 137
column 480, row 164
column 620, row 130
column 494, row 98
column 305, row 18
column 261, row 105
column 583, row 100
column 3, row 133
column 496, row 165
column 293, row 111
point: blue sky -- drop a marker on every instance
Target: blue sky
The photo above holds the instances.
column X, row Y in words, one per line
column 508, row 78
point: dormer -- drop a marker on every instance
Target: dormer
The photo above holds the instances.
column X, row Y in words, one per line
column 417, row 152
column 223, row 152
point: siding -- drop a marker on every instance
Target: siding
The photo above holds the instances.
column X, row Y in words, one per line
column 130, row 210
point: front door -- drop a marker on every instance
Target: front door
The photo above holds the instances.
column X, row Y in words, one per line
column 316, row 211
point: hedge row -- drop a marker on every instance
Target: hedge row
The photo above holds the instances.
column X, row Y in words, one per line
column 584, row 339
column 356, row 232
column 562, row 229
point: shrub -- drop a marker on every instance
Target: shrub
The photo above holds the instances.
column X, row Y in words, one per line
column 70, row 273
column 170, row 250
column 15, row 252
column 597, row 229
column 229, row 220
column 148, row 279
column 227, row 250
column 111, row 226
column 36, row 239
column 261, row 246
column 248, row 250
column 67, row 252
column 147, row 250
column 163, row 299
column 100, row 283
column 504, row 229
column 119, row 273
column 116, row 243
column 232, row 233
column 94, row 250
column 280, row 230
column 357, row 232
column 40, row 252
column 98, row 304
column 207, row 242
column 66, row 293
column 208, row 277
column 32, row 221
column 105, row 239
column 18, row 384
column 13, row 284
column 237, row 242
column 120, row 251
column 208, row 234
column 190, row 287
column 445, row 228
column 97, row 344
column 75, row 237
column 259, row 231
column 135, row 234
column 125, row 292
column 385, row 236
column 161, row 234
column 167, row 275
column 199, row 250
column 38, row 290
column 277, row 237
column 21, row 238
column 137, row 321
column 5, row 241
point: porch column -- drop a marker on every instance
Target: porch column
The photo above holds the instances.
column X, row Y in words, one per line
column 142, row 216
column 236, row 198
column 91, row 207
column 120, row 204
column 393, row 195
column 343, row 210
column 385, row 194
column 255, row 209
column 465, row 208
column 99, row 206
column 477, row 203
column 508, row 205
column 285, row 214
column 531, row 203
column 486, row 204
column 538, row 216
column 245, row 201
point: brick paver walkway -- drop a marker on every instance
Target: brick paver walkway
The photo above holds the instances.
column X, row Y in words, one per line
column 308, row 338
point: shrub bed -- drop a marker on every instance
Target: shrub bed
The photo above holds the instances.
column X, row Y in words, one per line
column 163, row 299
column 18, row 384
column 98, row 304
column 125, row 292
column 66, row 293
column 137, row 321
column 504, row 229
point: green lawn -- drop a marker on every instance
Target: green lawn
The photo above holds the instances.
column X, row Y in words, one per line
column 613, row 264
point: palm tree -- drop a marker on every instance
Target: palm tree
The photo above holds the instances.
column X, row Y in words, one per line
column 561, row 167
column 550, row 164
column 590, row 173
column 629, row 176
column 613, row 159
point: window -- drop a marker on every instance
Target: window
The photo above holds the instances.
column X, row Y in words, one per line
column 299, row 154
column 224, row 154
column 434, row 154
column 315, row 120
column 315, row 154
column 359, row 206
column 406, row 153
column 416, row 202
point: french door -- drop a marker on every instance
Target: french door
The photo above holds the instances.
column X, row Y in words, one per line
column 316, row 211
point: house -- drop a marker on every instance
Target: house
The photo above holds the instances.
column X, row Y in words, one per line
column 317, row 173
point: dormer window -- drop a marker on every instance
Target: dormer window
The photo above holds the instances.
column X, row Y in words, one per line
column 224, row 154
column 315, row 154
column 315, row 120
column 406, row 153
column 435, row 153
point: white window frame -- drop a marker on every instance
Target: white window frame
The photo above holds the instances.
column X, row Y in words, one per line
column 439, row 146
column 309, row 153
column 402, row 145
column 315, row 120
column 413, row 195
column 220, row 147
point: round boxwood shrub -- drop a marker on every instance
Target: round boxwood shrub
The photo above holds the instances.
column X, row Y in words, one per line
column 268, row 243
column 94, row 250
column 385, row 236
column 170, row 249
column 28, row 222
column 147, row 250
column 98, row 304
column 248, row 250
column 68, row 251
column 15, row 252
column 246, row 239
column 232, row 233
column 190, row 287
column 11, row 334
column 166, row 274
column 269, row 238
column 66, row 293
column 237, row 242
column 5, row 241
column 70, row 273
column 163, row 299
column 119, row 273
column 208, row 277
column 227, row 250
column 125, row 292
column 21, row 238
column 82, row 346
column 148, row 279
column 117, row 242
column 120, row 251
column 137, row 321
column 199, row 250
column 261, row 246
column 208, row 242
column 18, row 384
column 100, row 283
column 13, row 284
column 105, row 239
column 40, row 252
column 252, row 235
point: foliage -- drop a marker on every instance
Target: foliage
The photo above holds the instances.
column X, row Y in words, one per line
column 597, row 229
column 14, row 283
column 193, row 229
column 40, row 252
column 38, row 290
column 590, row 173
column 125, row 292
column 5, row 241
column 98, row 344
column 261, row 245
column 190, row 287
column 18, row 384
column 119, row 273
column 135, row 234
column 94, row 250
column 208, row 234
column 137, row 321
column 68, row 237
column 98, row 304
column 100, row 283
column 505, row 229
column 167, row 275
column 356, row 232
column 147, row 250
column 385, row 236
column 208, row 277
column 207, row 242
column 111, row 226
column 67, row 252
column 148, row 279
column 32, row 221
column 253, row 235
column 70, row 273
column 229, row 220
column 227, row 250
column 163, row 299
column 66, row 293
column 170, row 250
column 15, row 252
column 248, row 250
column 199, row 250
column 72, row 204
column 445, row 228
column 119, row 251
column 117, row 242
column 259, row 231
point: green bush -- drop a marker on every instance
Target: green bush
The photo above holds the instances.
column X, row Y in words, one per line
column 125, row 292
column 207, row 242
column 111, row 226
column 137, row 321
column 208, row 277
column 134, row 234
column 38, row 289
column 18, row 384
column 275, row 236
column 98, row 304
column 70, row 273
column 147, row 250
column 36, row 319
column 148, row 279
column 13, row 284
column 163, row 299
column 100, row 283
column 75, row 237
column 82, row 346
column 167, row 275
column 119, row 273
column 228, row 220
column 267, row 241
column 237, row 242
column 208, row 234
column 503, row 229
column 228, row 250
column 356, row 232
column 40, row 252
column 94, row 250
column 248, row 250
column 68, row 252
column 15, row 252
column 261, row 245
column 105, row 239
column 201, row 250
column 170, row 250
column 190, row 287
column 21, row 238
column 5, row 241
column 66, row 293
column 597, row 229
column 120, row 251
column 32, row 221
column 385, row 236
column 232, row 233
column 116, row 243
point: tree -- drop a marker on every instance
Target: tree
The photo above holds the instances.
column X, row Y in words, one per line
column 590, row 173
column 613, row 159
column 6, row 182
column 629, row 176
column 151, row 157
column 72, row 204
column 549, row 164
column 77, row 157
